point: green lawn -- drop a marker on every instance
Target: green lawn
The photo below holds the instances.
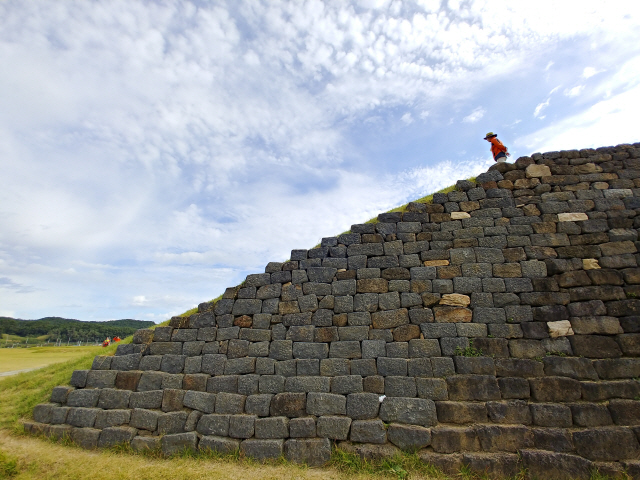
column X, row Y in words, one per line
column 12, row 359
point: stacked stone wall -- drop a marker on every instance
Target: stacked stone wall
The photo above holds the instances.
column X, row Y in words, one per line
column 497, row 327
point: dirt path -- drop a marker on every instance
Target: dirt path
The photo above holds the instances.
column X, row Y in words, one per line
column 15, row 372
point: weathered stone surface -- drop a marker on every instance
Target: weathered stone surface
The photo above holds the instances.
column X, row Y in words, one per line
column 335, row 428
column 461, row 412
column 222, row 445
column 289, row 405
column 454, row 439
column 607, row 444
column 555, row 389
column 86, row 438
column 111, row 436
column 551, row 415
column 473, row 387
column 414, row 411
column 368, row 431
column 315, row 452
column 179, row 442
column 560, row 466
column 504, row 438
column 512, row 411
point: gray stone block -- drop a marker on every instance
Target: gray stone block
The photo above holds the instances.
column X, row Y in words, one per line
column 217, row 444
column 172, row 422
column 144, row 419
column 86, row 438
column 415, row 411
column 145, row 444
column 274, row 427
column 83, row 398
column 391, row 366
column 395, row 386
column 112, row 418
column 172, row 363
column 304, row 427
column 326, row 404
column 368, row 431
column 111, row 436
column 345, row 384
column 202, row 401
column 177, row 443
column 307, row 384
column 310, row 350
column 79, row 378
column 409, row 437
column 336, row 428
column 111, row 398
column 364, row 367
column 101, row 362
column 442, row 366
column 213, row 424
column 260, row 449
column 101, row 378
column 224, row 383
column 345, row 349
column 241, row 426
column 432, row 388
column 148, row 399
column 258, row 404
column 453, row 345
column 229, row 403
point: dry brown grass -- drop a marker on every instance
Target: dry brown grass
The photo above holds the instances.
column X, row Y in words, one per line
column 39, row 458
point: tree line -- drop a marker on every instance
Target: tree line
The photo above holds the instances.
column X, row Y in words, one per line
column 69, row 329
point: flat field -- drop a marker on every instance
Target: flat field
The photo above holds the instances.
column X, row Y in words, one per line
column 16, row 359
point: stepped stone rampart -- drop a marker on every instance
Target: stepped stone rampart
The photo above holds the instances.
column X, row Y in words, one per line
column 496, row 327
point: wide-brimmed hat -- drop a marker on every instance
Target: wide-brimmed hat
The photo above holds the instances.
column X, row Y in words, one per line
column 489, row 135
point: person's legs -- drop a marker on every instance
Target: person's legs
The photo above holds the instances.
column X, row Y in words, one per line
column 501, row 157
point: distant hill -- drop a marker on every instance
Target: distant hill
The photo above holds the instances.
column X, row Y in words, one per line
column 66, row 328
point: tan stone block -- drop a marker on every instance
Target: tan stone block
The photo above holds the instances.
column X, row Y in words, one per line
column 469, row 206
column 455, row 300
column 561, row 328
column 436, row 263
column 587, row 168
column 531, row 210
column 459, row 215
column 593, row 325
column 537, row 171
column 590, row 264
column 572, row 217
column 507, row 270
column 448, row 314
column 600, row 185
column 526, row 183
column 544, row 227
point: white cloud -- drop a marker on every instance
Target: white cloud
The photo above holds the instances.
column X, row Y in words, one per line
column 540, row 107
column 589, row 72
column 474, row 116
column 608, row 122
column 157, row 152
column 574, row 92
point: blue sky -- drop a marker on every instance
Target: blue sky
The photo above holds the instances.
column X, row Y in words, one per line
column 154, row 153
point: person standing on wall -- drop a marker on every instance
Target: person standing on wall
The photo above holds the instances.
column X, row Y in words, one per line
column 498, row 149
